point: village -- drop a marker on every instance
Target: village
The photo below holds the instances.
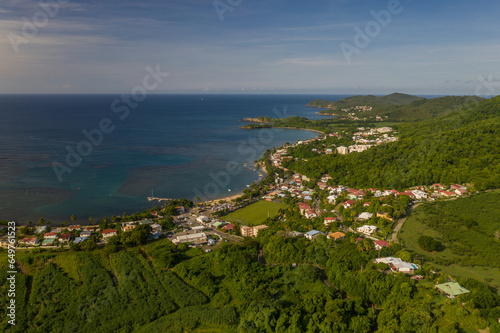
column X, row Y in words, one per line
column 368, row 215
column 352, row 113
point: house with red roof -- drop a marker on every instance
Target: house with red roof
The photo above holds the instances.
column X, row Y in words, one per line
column 446, row 193
column 379, row 244
column 65, row 238
column 303, row 207
column 228, row 227
column 109, row 233
column 29, row 241
column 310, row 213
column 329, row 220
column 348, row 204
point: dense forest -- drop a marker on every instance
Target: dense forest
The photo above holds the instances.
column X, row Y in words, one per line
column 460, row 147
column 304, row 286
column 369, row 100
column 424, row 108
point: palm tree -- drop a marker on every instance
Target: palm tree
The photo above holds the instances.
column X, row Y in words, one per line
column 73, row 218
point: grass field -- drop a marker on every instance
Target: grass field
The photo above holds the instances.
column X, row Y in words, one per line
column 69, row 263
column 255, row 213
column 471, row 250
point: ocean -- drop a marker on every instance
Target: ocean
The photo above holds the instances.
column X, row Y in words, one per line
column 94, row 155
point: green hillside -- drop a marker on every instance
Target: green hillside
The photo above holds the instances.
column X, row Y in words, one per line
column 469, row 231
column 460, row 147
column 367, row 100
column 424, row 108
column 335, row 287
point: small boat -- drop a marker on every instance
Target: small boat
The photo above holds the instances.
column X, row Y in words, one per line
column 229, row 190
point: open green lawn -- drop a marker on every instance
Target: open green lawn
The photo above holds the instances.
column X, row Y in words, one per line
column 467, row 228
column 255, row 213
column 69, row 263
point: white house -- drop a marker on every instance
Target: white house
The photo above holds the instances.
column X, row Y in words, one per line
column 313, row 234
column 109, row 233
column 342, row 150
column 155, row 228
column 365, row 216
column 398, row 265
column 85, row 233
column 329, row 220
column 419, row 194
column 40, row 229
column 310, row 214
column 367, row 229
column 202, row 219
column 331, row 198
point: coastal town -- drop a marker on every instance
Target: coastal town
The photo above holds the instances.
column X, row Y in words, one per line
column 370, row 217
column 302, row 220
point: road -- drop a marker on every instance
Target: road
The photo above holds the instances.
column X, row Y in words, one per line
column 401, row 222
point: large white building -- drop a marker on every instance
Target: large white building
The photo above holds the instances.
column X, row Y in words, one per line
column 200, row 237
column 367, row 229
column 398, row 265
column 251, row 231
column 342, row 150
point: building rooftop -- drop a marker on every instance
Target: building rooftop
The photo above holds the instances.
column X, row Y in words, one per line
column 452, row 288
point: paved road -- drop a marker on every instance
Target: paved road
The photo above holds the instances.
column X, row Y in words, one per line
column 401, row 222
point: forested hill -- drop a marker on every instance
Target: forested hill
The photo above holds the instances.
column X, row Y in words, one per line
column 424, row 108
column 460, row 147
column 368, row 100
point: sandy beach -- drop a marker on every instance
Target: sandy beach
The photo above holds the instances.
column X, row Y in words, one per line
column 215, row 201
column 262, row 169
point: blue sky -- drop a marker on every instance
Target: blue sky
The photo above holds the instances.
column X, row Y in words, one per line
column 272, row 46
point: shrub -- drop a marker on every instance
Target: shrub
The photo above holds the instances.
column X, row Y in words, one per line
column 428, row 243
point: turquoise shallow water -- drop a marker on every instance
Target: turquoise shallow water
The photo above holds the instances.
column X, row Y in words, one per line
column 174, row 145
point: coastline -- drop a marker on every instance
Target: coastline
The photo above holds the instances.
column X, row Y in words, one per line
column 234, row 196
column 327, row 114
column 304, row 129
column 262, row 169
